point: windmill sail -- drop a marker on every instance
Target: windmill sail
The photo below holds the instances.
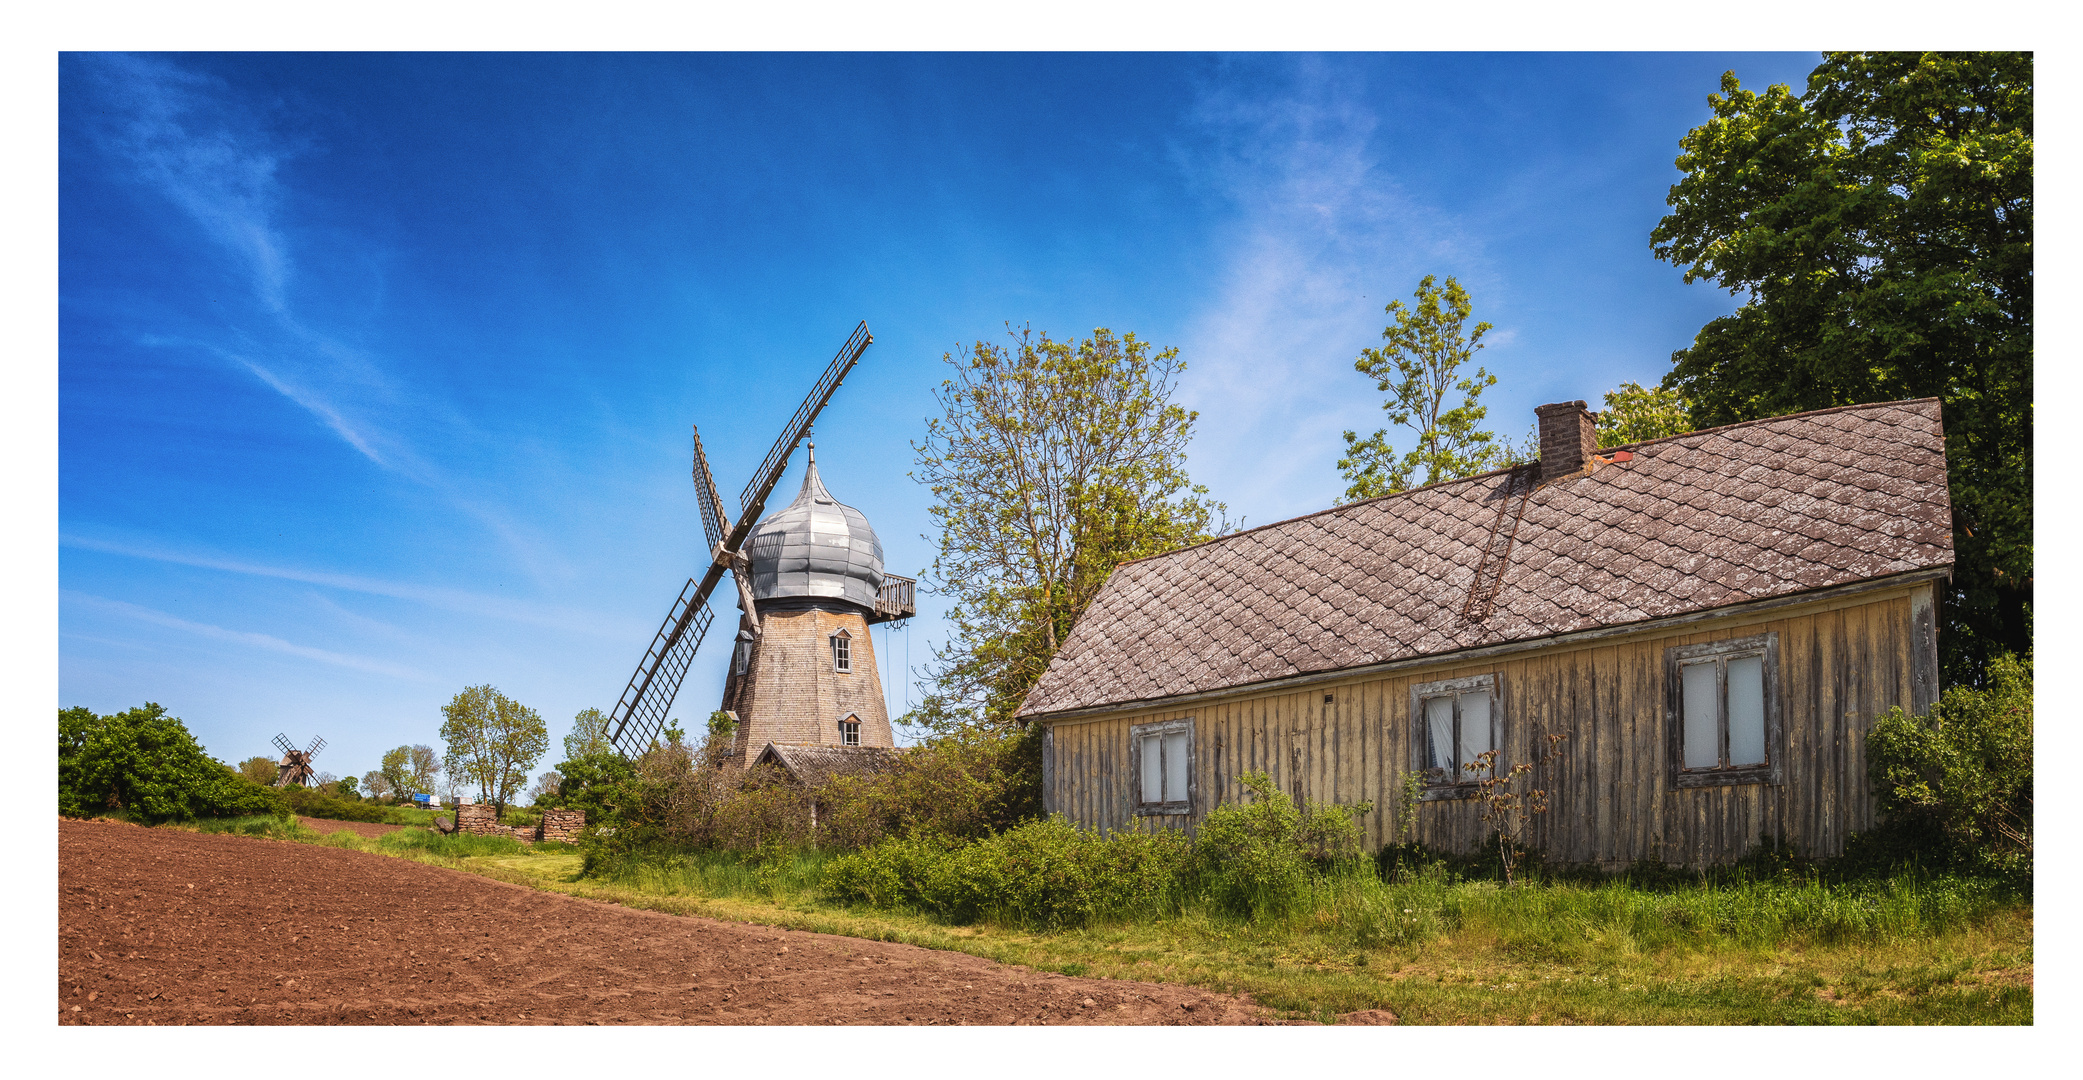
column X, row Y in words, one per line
column 714, row 525
column 641, row 714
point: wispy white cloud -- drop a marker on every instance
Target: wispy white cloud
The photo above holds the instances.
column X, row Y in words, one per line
column 458, row 600
column 266, row 642
column 188, row 137
column 1323, row 234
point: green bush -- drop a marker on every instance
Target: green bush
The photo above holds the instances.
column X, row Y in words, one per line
column 1954, row 788
column 1262, row 857
column 969, row 783
column 312, row 802
column 146, row 762
column 1044, row 874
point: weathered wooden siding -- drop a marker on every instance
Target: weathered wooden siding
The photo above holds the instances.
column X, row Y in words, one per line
column 1841, row 664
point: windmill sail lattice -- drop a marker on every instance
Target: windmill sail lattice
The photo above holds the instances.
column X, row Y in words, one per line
column 641, row 714
column 295, row 766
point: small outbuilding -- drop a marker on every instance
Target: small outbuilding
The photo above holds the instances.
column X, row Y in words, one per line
column 1713, row 620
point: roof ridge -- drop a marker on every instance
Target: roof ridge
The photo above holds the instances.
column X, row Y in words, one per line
column 1509, row 468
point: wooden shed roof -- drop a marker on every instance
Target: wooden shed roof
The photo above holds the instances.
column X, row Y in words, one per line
column 812, row 766
column 1750, row 511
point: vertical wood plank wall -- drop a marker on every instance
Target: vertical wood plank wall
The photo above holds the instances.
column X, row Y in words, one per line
column 1840, row 666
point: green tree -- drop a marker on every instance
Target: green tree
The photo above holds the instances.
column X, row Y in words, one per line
column 1424, row 351
column 1635, row 413
column 589, row 734
column 493, row 741
column 377, row 785
column 348, row 788
column 1052, row 463
column 145, row 762
column 1879, row 228
column 397, row 772
column 260, row 770
column 423, row 767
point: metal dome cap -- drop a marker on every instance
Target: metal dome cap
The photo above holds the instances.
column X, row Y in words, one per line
column 816, row 548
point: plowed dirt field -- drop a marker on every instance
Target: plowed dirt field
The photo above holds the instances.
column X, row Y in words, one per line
column 160, row 926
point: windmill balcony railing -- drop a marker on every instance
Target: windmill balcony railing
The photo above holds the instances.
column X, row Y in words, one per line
column 897, row 600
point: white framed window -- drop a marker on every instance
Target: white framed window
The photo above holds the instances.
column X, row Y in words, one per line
column 1722, row 706
column 1455, row 722
column 850, row 731
column 1160, row 758
column 842, row 652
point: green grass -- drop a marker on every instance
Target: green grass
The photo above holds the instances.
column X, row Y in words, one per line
column 1432, row 948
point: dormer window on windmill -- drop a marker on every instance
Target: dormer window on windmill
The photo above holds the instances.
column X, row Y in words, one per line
column 842, row 652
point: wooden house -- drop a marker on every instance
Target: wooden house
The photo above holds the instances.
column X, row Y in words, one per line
column 1713, row 620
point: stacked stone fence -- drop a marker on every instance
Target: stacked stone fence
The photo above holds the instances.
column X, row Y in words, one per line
column 481, row 819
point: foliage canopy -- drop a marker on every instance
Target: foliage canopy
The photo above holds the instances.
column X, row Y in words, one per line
column 493, row 741
column 1418, row 367
column 1879, row 226
column 1052, row 463
column 145, row 762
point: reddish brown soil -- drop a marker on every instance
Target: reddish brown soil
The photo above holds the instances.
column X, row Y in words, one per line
column 368, row 829
column 160, row 926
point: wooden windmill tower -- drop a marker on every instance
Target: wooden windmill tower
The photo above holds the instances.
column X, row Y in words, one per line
column 810, row 582
column 295, row 766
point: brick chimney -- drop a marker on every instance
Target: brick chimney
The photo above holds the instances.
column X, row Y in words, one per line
column 1569, row 436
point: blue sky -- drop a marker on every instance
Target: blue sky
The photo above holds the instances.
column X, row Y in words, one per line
column 376, row 371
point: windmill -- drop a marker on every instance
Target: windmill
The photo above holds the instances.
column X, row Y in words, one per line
column 295, row 767
column 641, row 713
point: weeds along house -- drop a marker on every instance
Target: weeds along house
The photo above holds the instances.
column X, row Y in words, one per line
column 1712, row 619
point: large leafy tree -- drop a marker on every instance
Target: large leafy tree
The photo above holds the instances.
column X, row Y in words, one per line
column 493, row 741
column 1879, row 228
column 1052, row 463
column 1636, row 413
column 1419, row 367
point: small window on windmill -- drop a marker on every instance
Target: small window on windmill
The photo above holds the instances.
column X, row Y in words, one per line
column 850, row 731
column 842, row 652
column 741, row 658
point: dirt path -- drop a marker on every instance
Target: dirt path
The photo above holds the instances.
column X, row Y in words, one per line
column 160, row 926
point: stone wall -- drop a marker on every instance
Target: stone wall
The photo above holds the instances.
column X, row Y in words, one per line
column 560, row 825
column 478, row 819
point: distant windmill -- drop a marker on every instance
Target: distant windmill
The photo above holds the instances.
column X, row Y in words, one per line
column 295, row 767
column 818, row 567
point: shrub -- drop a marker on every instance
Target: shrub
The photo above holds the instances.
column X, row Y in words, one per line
column 968, row 783
column 1261, row 857
column 1051, row 874
column 1955, row 787
column 1046, row 875
column 146, row 762
column 318, row 803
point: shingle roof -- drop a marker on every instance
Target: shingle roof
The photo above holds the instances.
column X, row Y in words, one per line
column 812, row 766
column 1698, row 521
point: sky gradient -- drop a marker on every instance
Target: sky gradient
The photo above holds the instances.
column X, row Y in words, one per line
column 376, row 371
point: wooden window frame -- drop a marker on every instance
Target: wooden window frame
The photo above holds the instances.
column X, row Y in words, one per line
column 842, row 662
column 1464, row 785
column 1765, row 645
column 853, row 721
column 1136, row 734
